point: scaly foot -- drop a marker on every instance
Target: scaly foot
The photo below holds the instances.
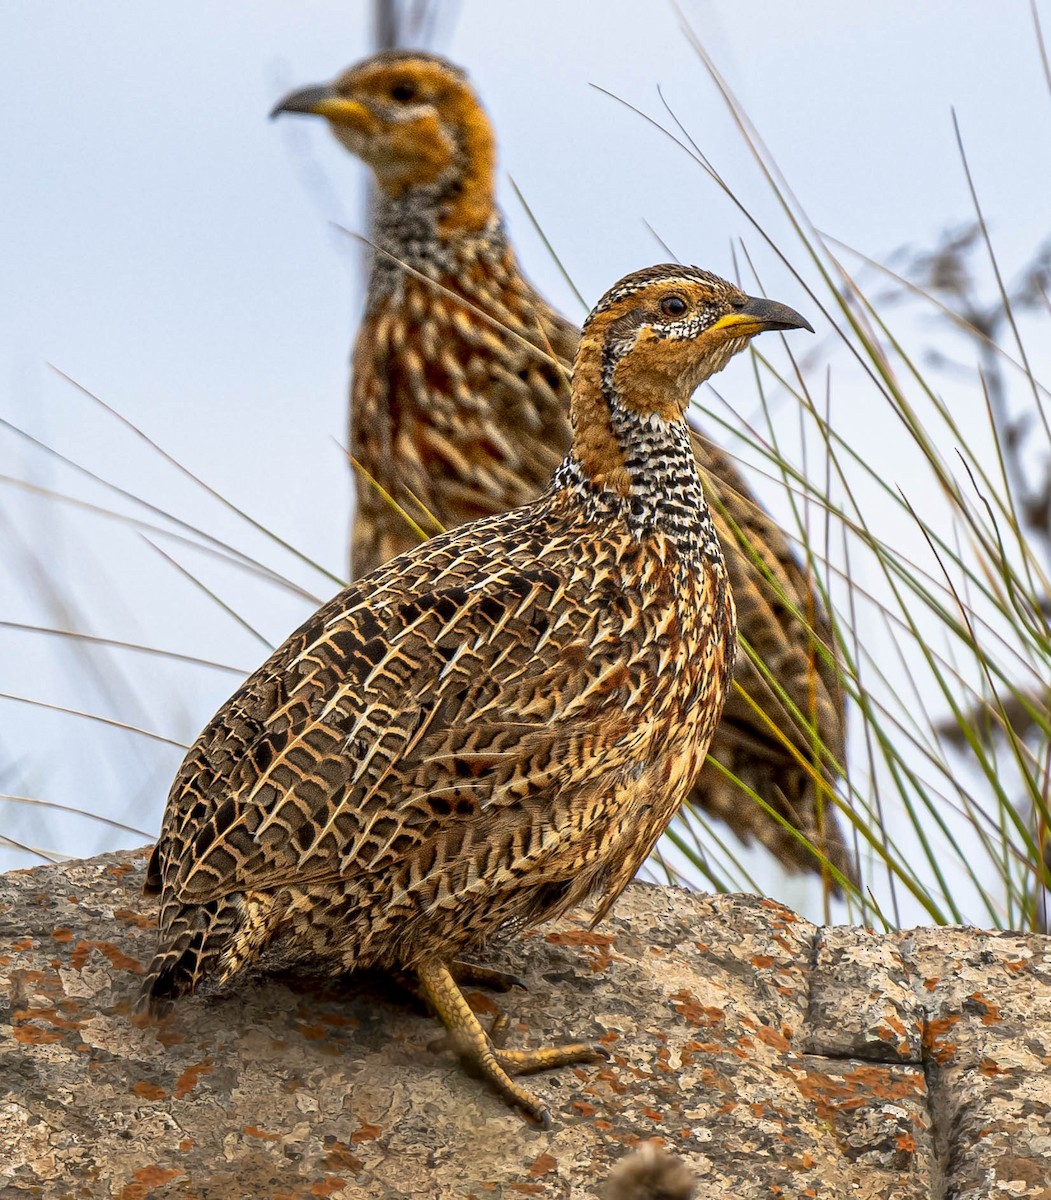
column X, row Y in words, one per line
column 484, row 1051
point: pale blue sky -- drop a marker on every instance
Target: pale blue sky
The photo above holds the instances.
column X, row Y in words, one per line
column 172, row 250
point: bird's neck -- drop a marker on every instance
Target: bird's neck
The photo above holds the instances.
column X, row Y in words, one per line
column 638, row 464
column 440, row 229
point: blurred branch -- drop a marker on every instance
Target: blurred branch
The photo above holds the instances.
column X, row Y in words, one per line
column 949, row 273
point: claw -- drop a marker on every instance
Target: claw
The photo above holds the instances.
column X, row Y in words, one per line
column 483, row 1052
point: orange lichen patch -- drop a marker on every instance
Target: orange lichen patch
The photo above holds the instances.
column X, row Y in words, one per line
column 262, row 1134
column 688, row 1051
column 786, row 914
column 880, row 1081
column 932, row 983
column 340, row 1020
column 326, row 1186
column 145, row 1179
column 771, row 1037
column 312, row 1033
column 802, row 1162
column 897, row 1025
column 338, row 1157
column 761, row 960
column 580, row 937
column 585, row 1109
column 51, row 1015
column 1015, row 965
column 365, row 1133
column 989, row 1012
column 33, row 1035
column 653, row 1114
column 988, row 1067
column 119, row 870
column 687, row 1005
column 480, row 1003
column 62, row 934
column 118, row 959
column 602, row 942
column 610, row 1078
column 832, row 1095
column 609, row 1037
column 25, row 943
column 168, row 1037
column 189, row 1079
column 892, row 1037
column 603, row 1124
column 906, row 1143
column 148, row 1091
column 543, row 1164
column 829, row 1096
column 139, row 920
column 935, row 1043
column 45, row 981
column 187, row 1144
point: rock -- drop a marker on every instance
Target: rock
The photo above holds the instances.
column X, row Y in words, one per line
column 774, row 1058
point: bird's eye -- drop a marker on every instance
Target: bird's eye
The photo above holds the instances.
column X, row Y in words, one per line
column 673, row 306
column 403, row 92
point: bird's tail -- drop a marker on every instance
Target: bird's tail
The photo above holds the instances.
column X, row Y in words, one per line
column 192, row 943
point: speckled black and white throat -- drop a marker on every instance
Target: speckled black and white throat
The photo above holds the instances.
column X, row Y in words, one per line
column 665, row 491
column 406, row 231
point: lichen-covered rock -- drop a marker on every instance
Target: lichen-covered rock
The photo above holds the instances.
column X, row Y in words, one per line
column 775, row 1059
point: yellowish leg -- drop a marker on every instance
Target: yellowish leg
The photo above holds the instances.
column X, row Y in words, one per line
column 475, row 1047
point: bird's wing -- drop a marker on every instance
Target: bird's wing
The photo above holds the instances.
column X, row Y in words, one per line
column 389, row 719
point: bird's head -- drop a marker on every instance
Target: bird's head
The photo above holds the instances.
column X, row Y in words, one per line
column 647, row 344
column 660, row 332
column 416, row 121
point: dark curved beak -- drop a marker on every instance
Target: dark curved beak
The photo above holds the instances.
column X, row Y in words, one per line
column 757, row 315
column 310, row 100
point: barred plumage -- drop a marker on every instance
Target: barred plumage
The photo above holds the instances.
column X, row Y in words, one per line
column 459, row 409
column 491, row 727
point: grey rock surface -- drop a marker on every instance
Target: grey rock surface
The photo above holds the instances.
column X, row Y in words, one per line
column 776, row 1059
